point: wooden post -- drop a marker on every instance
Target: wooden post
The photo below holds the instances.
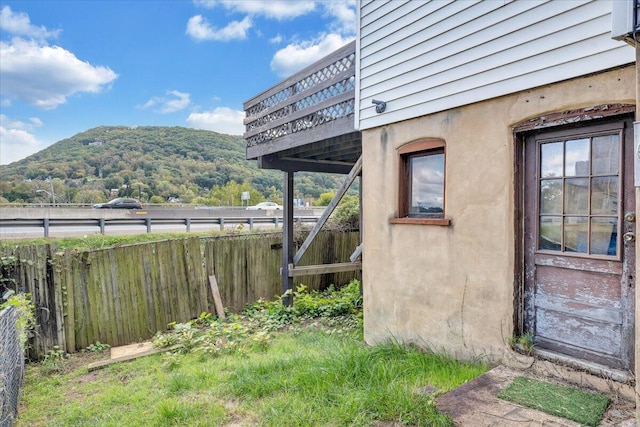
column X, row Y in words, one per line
column 287, row 236
column 215, row 292
column 360, row 229
column 637, row 252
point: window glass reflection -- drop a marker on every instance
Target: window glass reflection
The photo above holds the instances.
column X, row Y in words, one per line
column 577, row 157
column 604, row 236
column 604, row 195
column 551, row 196
column 551, row 160
column 576, row 196
column 605, row 154
column 576, row 230
column 579, row 194
column 427, row 185
column 551, row 233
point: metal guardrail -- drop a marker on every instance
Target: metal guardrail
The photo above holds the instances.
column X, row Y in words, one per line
column 103, row 223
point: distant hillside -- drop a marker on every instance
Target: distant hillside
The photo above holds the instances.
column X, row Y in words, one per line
column 146, row 161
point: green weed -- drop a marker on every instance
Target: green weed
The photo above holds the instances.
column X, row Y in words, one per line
column 98, row 347
column 309, row 371
column 26, row 315
column 54, row 361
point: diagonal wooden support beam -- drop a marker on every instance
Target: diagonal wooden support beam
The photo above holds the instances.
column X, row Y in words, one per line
column 355, row 171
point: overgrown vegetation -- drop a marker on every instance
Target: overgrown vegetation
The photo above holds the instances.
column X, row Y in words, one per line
column 523, row 343
column 336, row 311
column 273, row 365
column 26, row 316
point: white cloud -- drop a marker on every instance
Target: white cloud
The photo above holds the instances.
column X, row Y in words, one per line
column 276, row 40
column 295, row 57
column 344, row 13
column 200, row 29
column 172, row 102
column 19, row 24
column 16, row 141
column 45, row 76
column 275, row 9
column 222, row 120
column 17, row 124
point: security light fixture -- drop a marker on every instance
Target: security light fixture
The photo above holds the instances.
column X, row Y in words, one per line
column 380, row 106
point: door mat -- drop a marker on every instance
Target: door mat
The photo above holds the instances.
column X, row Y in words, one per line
column 563, row 401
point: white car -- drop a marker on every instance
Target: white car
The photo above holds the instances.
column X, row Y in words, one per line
column 265, row 206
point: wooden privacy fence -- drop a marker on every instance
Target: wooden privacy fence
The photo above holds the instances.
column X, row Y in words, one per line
column 248, row 267
column 126, row 294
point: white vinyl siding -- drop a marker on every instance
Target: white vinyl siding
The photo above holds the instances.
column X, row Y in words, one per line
column 427, row 56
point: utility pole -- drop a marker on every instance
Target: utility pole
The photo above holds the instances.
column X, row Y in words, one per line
column 53, row 195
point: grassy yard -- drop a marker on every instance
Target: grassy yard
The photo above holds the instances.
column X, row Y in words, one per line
column 275, row 366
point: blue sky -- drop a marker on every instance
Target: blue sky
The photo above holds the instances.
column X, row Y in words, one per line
column 68, row 66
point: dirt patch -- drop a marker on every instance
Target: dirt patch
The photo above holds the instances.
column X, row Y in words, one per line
column 82, row 359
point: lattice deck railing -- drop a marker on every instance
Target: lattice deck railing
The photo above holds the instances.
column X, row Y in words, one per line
column 316, row 103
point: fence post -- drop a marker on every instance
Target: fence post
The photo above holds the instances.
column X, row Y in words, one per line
column 45, row 224
column 147, row 221
column 221, row 224
column 275, row 220
column 187, row 223
column 251, row 223
column 101, row 223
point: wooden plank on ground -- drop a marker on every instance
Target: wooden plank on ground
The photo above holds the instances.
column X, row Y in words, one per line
column 128, row 352
column 308, row 270
column 216, row 296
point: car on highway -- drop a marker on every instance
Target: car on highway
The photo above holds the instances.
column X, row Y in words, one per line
column 265, row 206
column 119, row 203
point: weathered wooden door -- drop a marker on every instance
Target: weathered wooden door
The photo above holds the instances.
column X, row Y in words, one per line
column 579, row 246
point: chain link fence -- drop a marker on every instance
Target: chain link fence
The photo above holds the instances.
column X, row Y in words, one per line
column 11, row 366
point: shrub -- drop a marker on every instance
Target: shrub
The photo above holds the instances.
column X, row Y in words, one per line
column 26, row 317
column 347, row 213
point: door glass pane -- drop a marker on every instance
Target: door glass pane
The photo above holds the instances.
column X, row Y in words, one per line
column 427, row 185
column 604, row 195
column 576, row 234
column 551, row 196
column 605, row 155
column 604, row 236
column 551, row 233
column 551, row 160
column 576, row 196
column 577, row 157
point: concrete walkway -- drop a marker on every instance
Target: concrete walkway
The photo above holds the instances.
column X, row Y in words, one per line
column 475, row 404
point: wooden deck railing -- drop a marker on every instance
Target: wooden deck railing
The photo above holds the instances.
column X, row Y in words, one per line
column 315, row 104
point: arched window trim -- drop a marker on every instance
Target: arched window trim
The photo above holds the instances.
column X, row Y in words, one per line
column 419, row 148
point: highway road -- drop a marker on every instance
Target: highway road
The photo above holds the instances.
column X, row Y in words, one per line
column 29, row 223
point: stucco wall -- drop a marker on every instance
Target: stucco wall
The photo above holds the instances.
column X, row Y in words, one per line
column 451, row 288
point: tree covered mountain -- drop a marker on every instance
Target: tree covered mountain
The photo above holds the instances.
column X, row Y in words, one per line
column 152, row 163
